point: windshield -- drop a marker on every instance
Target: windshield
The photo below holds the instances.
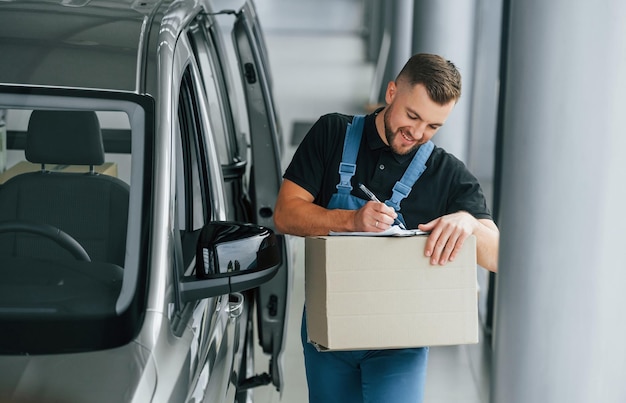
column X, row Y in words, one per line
column 71, row 190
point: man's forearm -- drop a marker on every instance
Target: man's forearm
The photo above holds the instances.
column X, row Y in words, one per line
column 302, row 218
column 487, row 245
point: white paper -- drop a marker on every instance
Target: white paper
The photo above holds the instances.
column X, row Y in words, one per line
column 394, row 230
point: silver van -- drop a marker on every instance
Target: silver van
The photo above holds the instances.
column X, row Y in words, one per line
column 138, row 261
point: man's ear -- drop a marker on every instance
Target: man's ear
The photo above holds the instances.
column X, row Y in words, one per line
column 390, row 94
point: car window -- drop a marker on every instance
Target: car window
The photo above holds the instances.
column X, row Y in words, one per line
column 192, row 182
column 231, row 150
column 199, row 189
column 194, row 186
column 213, row 79
column 70, row 214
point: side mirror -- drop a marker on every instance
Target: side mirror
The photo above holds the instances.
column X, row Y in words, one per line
column 231, row 257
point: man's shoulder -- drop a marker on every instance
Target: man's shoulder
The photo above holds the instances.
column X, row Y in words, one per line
column 331, row 126
column 440, row 156
column 447, row 165
column 326, row 133
column 336, row 118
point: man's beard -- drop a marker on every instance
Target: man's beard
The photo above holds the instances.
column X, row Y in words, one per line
column 391, row 135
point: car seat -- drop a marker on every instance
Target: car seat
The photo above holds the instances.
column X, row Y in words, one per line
column 90, row 207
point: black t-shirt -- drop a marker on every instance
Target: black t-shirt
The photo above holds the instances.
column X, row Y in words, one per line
column 445, row 187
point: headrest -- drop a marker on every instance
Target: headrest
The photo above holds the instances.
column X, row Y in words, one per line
column 64, row 137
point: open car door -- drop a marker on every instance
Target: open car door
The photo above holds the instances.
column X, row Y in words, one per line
column 265, row 180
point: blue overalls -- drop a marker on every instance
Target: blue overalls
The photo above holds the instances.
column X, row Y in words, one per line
column 367, row 376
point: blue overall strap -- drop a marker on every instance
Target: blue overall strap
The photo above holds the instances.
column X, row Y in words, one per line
column 351, row 144
column 403, row 187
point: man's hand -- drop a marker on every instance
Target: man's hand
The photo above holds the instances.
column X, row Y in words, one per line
column 449, row 232
column 296, row 214
column 374, row 217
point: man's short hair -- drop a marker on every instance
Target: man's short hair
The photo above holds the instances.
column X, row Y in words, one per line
column 440, row 77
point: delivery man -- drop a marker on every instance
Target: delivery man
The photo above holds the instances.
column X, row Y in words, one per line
column 423, row 186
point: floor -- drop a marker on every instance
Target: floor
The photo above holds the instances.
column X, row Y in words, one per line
column 317, row 58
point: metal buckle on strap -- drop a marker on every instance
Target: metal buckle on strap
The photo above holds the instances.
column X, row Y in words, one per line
column 347, row 169
column 346, row 172
column 400, row 191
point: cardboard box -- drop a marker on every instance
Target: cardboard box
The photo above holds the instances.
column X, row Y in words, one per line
column 382, row 292
column 108, row 168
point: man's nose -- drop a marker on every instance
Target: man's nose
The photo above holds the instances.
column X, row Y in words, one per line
column 418, row 130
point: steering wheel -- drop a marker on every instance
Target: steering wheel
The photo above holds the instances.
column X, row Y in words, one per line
column 51, row 232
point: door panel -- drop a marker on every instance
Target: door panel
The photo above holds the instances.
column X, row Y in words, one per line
column 265, row 180
column 200, row 198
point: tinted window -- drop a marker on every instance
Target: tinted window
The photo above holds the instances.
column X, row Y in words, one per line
column 213, row 68
column 214, row 81
column 191, row 202
column 65, row 203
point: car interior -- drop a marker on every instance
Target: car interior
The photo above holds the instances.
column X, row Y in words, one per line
column 89, row 207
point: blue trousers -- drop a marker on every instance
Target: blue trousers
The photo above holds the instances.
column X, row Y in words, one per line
column 364, row 376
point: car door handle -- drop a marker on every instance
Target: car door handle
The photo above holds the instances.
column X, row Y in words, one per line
column 235, row 305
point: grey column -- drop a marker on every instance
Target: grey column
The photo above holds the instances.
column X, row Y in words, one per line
column 374, row 13
column 446, row 27
column 395, row 47
column 560, row 326
column 485, row 89
column 401, row 35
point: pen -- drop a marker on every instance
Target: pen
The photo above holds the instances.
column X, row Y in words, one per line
column 373, row 197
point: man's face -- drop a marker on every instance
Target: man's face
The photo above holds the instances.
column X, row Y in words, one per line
column 411, row 117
